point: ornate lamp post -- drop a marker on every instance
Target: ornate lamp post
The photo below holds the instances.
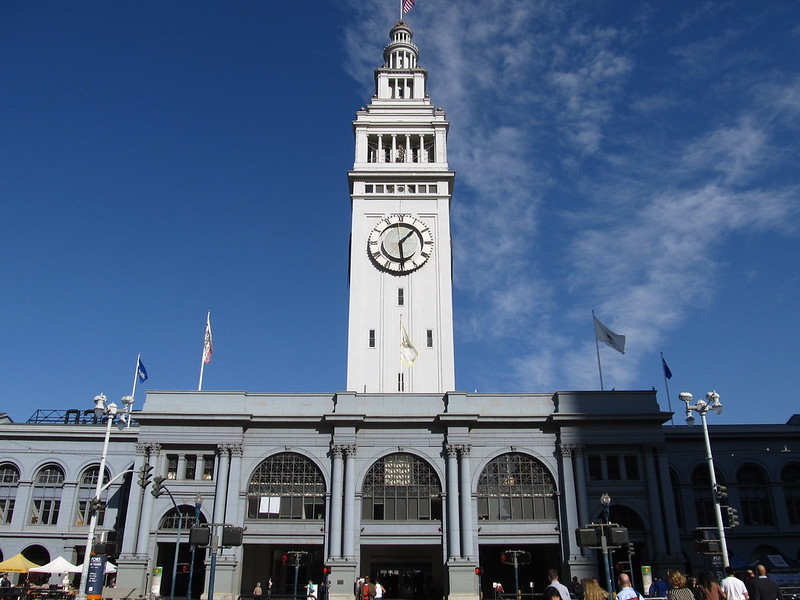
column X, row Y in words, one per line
column 702, row 407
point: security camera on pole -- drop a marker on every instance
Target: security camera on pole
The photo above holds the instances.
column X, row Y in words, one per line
column 702, row 407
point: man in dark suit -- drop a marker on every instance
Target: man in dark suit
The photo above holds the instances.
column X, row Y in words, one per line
column 763, row 588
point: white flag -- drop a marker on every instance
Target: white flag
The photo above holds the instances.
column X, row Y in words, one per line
column 608, row 337
column 208, row 347
column 408, row 353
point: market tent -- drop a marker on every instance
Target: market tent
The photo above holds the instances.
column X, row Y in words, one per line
column 59, row 565
column 17, row 564
column 110, row 568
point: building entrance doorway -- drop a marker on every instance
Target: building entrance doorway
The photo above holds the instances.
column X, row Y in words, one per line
column 406, row 572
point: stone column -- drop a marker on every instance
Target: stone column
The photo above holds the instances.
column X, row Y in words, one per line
column 654, row 500
column 465, row 488
column 335, row 526
column 199, row 467
column 568, row 499
column 152, row 452
column 221, row 475
column 180, row 470
column 22, row 505
column 453, row 533
column 671, row 530
column 579, row 462
column 349, row 527
column 232, row 502
column 133, row 516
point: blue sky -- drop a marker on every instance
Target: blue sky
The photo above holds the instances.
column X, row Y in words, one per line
column 635, row 158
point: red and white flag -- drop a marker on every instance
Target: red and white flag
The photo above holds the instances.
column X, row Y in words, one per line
column 408, row 5
column 208, row 347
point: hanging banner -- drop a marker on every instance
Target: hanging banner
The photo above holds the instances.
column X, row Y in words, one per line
column 95, row 577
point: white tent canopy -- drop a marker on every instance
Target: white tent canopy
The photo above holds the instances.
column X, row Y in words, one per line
column 110, row 568
column 58, row 565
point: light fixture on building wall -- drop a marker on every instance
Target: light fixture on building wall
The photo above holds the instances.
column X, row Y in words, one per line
column 702, row 407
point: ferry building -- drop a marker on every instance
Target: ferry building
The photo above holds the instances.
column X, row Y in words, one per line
column 401, row 477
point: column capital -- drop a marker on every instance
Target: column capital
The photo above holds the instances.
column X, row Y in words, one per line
column 338, row 450
column 464, row 449
column 567, row 450
column 236, row 449
column 350, row 450
column 141, row 448
column 452, row 450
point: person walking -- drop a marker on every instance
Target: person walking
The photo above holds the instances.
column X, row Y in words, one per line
column 592, row 590
column 764, row 588
column 733, row 587
column 709, row 589
column 257, row 591
column 626, row 591
column 552, row 574
column 678, row 590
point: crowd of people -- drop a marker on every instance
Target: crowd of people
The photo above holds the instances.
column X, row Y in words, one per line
column 754, row 585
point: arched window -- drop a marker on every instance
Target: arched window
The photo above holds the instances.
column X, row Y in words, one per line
column 790, row 477
column 401, row 487
column 9, row 478
column 754, row 496
column 86, row 491
column 189, row 517
column 47, row 495
column 286, row 486
column 703, row 499
column 515, row 486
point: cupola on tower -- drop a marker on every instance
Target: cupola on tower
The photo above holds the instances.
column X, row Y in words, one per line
column 400, row 336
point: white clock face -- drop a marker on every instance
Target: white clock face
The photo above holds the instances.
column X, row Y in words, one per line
column 400, row 244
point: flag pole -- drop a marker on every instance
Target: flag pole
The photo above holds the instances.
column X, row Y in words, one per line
column 135, row 376
column 666, row 385
column 597, row 347
column 129, row 407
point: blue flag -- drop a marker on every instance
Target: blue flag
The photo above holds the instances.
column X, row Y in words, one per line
column 141, row 371
column 667, row 372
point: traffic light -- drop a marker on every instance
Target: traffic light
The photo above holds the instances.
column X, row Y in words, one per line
column 285, row 559
column 618, row 536
column 95, row 504
column 588, row 536
column 631, row 549
column 158, row 486
column 145, row 473
column 478, row 571
column 232, row 536
column 326, row 571
column 504, row 558
column 200, row 535
column 721, row 492
column 706, row 542
column 733, row 517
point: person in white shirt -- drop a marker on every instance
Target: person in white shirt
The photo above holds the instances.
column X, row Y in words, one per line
column 733, row 587
column 555, row 583
column 626, row 591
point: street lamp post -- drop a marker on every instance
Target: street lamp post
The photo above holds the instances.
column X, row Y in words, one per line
column 702, row 407
column 198, row 502
column 605, row 500
column 101, row 409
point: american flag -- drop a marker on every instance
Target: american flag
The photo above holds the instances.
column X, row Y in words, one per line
column 408, row 5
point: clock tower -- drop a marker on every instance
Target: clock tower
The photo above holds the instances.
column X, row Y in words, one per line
column 400, row 335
